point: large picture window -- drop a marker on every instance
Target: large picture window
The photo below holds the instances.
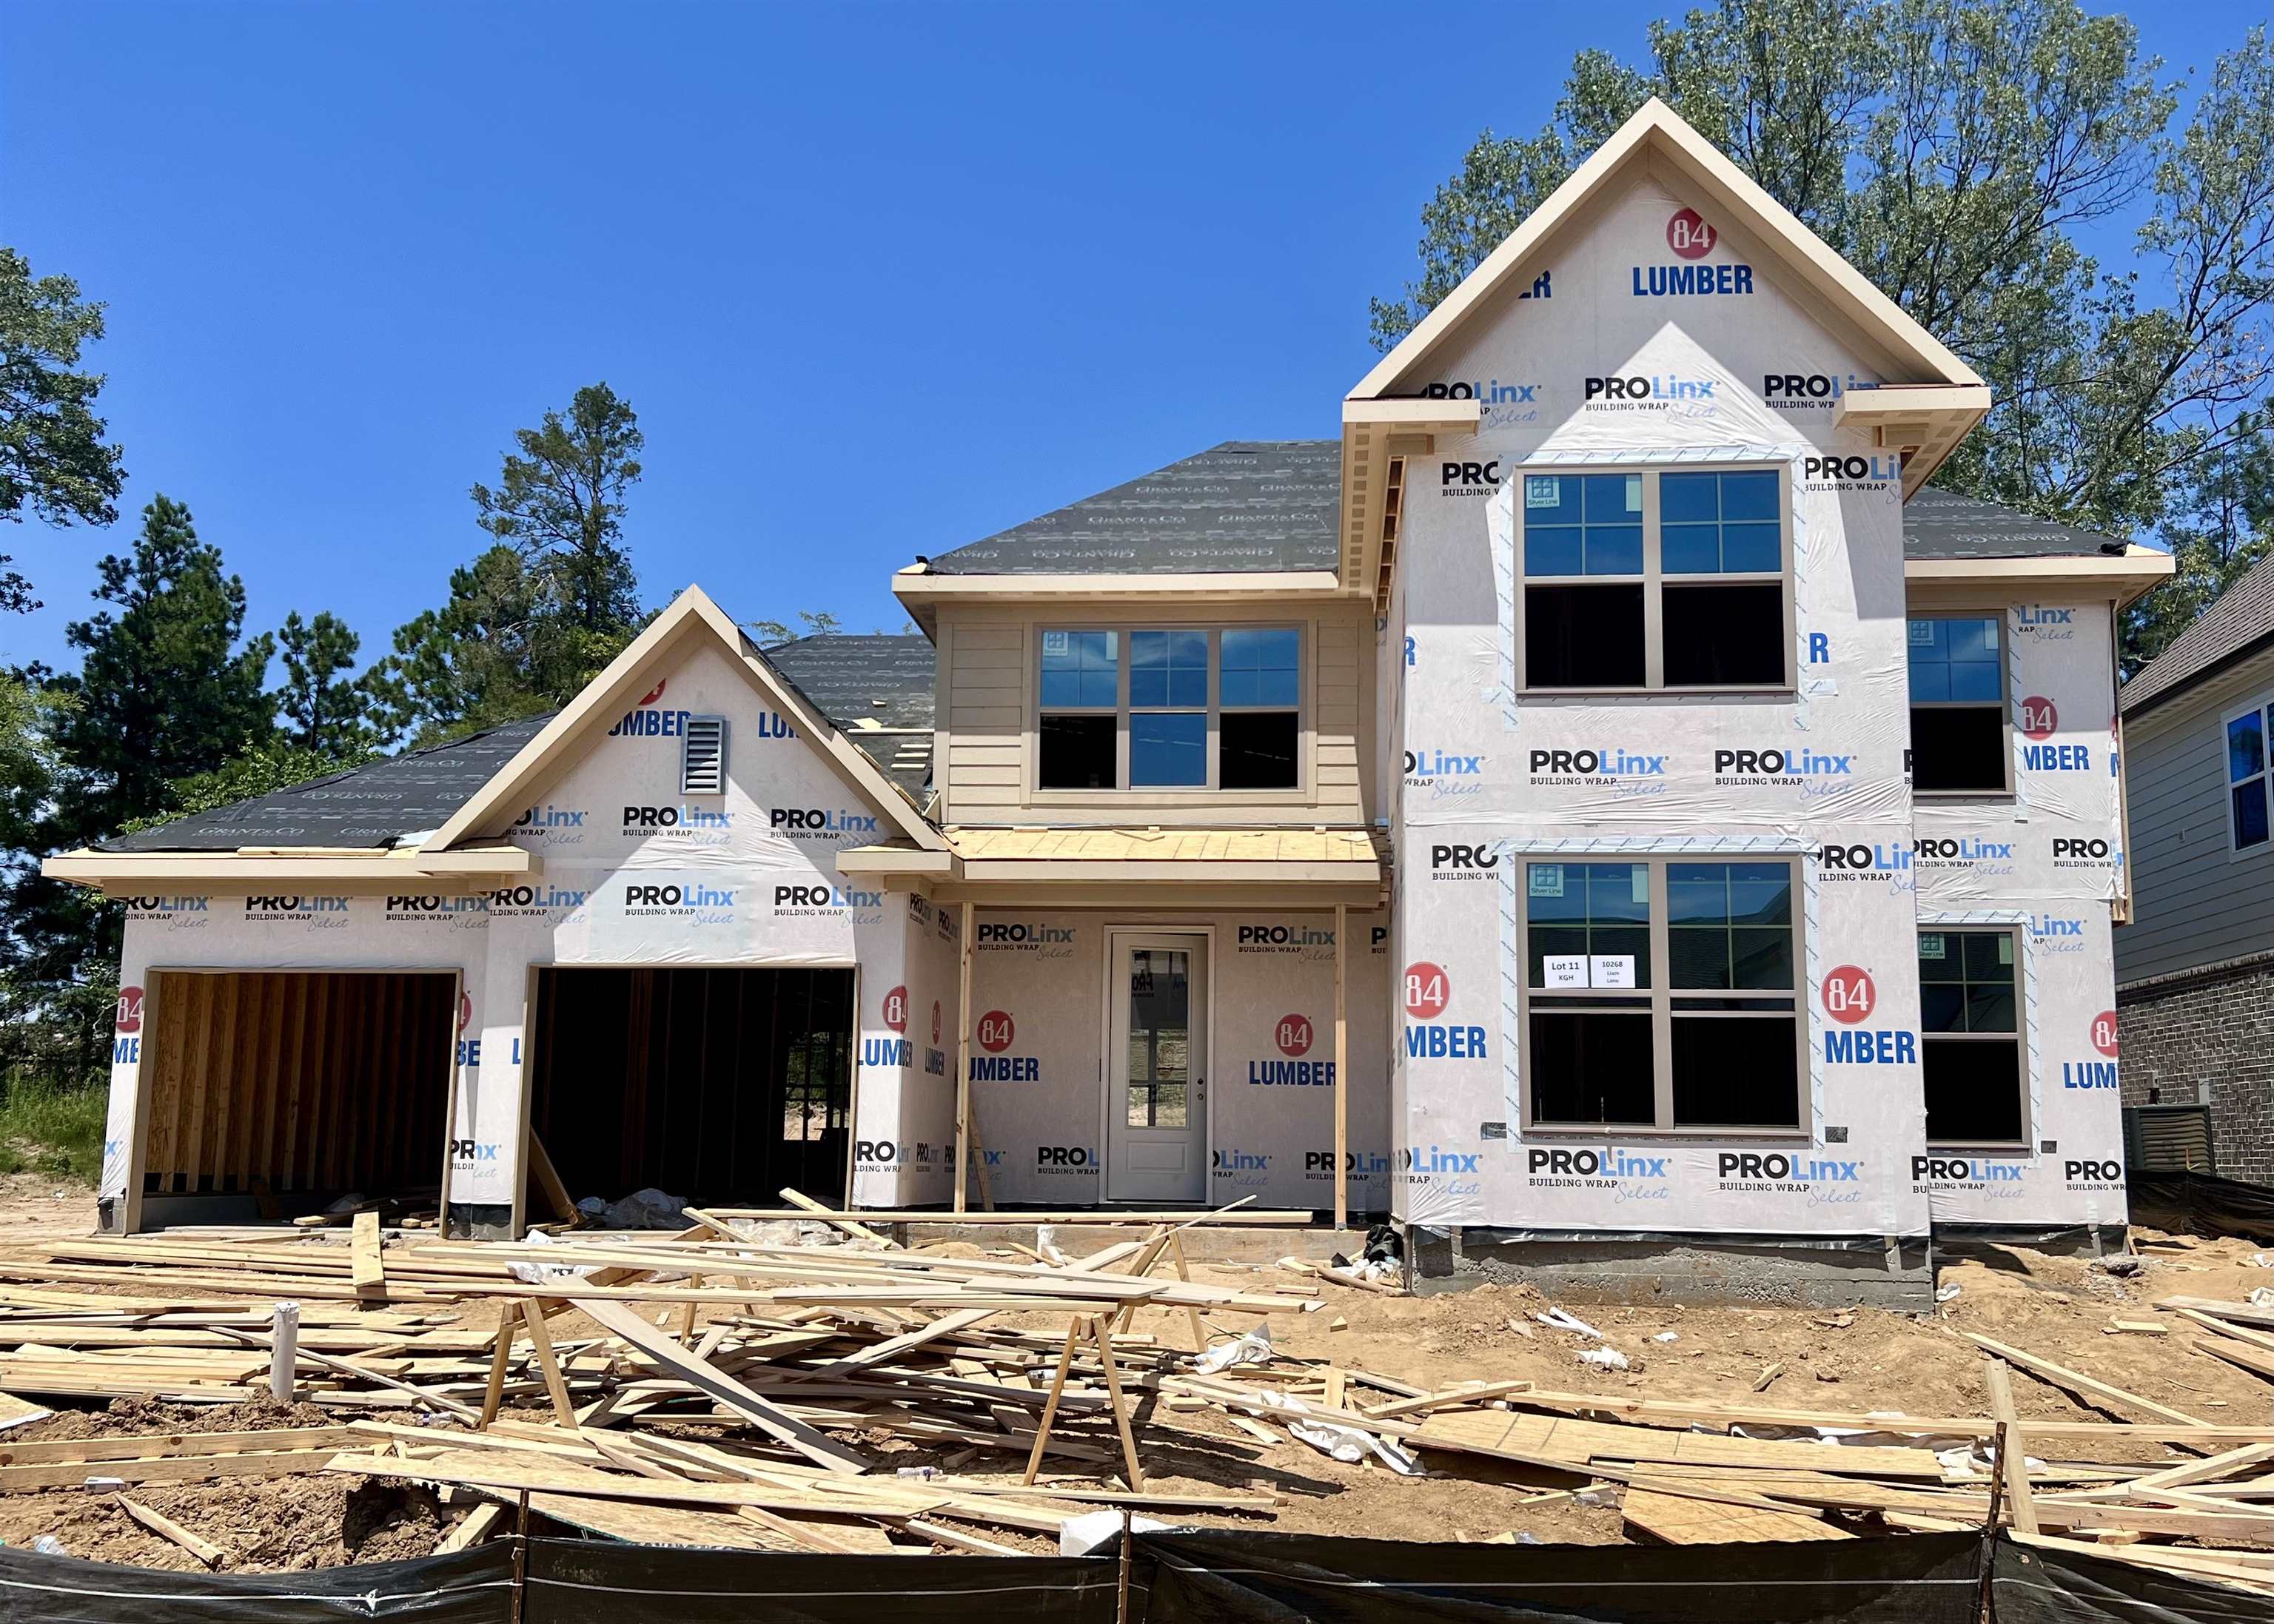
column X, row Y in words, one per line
column 2246, row 777
column 1655, row 580
column 1959, row 737
column 1662, row 993
column 1170, row 708
column 1971, row 1042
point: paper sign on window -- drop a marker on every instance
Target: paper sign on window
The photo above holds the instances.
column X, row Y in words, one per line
column 1546, row 879
column 2004, row 950
column 1634, row 493
column 1638, row 884
column 1557, row 970
column 1931, row 944
column 1922, row 633
column 1056, row 642
column 1615, row 970
column 1540, row 491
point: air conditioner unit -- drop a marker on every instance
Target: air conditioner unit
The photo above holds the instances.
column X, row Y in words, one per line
column 2168, row 1138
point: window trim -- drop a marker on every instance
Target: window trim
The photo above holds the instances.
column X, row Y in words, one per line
column 2019, row 1037
column 1661, row 996
column 1944, row 797
column 1653, row 580
column 1303, row 792
column 2264, row 704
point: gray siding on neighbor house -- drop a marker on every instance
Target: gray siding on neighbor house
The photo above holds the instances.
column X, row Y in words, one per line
column 2195, row 902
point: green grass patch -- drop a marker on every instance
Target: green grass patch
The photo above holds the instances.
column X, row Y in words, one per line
column 52, row 1131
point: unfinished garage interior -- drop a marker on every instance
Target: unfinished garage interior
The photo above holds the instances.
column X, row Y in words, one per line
column 719, row 1086
column 278, row 1092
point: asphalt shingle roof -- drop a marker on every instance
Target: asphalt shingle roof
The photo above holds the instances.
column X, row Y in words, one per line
column 884, row 678
column 1245, row 505
column 2242, row 619
column 1943, row 524
column 371, row 805
column 1275, row 505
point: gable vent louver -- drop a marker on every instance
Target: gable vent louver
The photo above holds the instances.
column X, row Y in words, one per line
column 702, row 756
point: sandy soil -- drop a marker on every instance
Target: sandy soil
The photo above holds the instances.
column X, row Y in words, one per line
column 1848, row 1361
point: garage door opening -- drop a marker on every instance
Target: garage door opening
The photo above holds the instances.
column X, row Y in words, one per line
column 273, row 1094
column 719, row 1086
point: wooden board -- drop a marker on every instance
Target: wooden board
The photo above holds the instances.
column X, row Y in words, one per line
column 1680, row 1520
column 626, row 1323
column 1578, row 1443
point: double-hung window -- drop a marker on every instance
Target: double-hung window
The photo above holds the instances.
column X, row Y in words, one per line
column 2246, row 777
column 1081, row 723
column 1662, row 993
column 1655, row 580
column 1168, row 709
column 1970, row 1042
column 1959, row 738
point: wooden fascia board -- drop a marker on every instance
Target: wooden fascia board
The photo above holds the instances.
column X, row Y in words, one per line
column 1416, row 417
column 690, row 616
column 887, row 860
column 1225, row 586
column 1200, row 872
column 470, row 872
column 1155, row 895
column 2124, row 577
column 1655, row 130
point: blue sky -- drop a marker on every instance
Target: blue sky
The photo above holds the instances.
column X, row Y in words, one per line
column 879, row 279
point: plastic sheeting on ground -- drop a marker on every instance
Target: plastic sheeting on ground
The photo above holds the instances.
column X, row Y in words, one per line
column 1212, row 1576
column 2202, row 1204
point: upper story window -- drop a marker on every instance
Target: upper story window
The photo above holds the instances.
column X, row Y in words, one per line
column 2246, row 777
column 1170, row 708
column 1655, row 580
column 1958, row 739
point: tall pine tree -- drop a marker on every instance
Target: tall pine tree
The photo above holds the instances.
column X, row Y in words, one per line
column 166, row 690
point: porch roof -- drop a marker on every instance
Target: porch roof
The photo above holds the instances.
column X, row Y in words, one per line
column 1075, row 861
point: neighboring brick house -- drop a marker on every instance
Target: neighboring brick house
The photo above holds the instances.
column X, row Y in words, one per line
column 2196, row 968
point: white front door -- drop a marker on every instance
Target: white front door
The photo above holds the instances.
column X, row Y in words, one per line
column 1156, row 1070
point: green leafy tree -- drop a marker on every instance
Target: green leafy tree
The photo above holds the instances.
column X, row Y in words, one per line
column 813, row 622
column 53, row 459
column 321, row 709
column 560, row 504
column 166, row 689
column 541, row 613
column 1949, row 149
column 470, row 664
column 2224, row 526
column 261, row 771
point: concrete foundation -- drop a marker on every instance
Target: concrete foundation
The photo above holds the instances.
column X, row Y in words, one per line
column 1703, row 1273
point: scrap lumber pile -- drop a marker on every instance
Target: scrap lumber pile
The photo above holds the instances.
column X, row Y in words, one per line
column 732, row 1385
column 706, row 1386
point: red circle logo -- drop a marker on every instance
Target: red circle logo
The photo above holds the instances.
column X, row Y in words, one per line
column 896, row 1009
column 934, row 1020
column 1848, row 994
column 1688, row 234
column 1294, row 1035
column 465, row 1010
column 1427, row 991
column 129, row 1008
column 2104, row 1032
column 995, row 1031
column 2039, row 717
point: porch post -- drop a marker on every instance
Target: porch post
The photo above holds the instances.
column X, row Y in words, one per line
column 962, row 1054
column 1342, row 1068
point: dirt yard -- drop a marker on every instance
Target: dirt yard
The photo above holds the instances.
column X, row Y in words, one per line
column 1847, row 1361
